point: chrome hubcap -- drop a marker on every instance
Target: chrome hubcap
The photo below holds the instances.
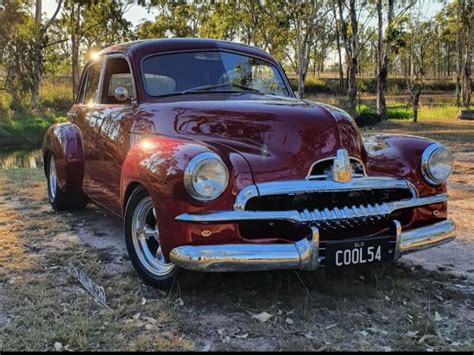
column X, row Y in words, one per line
column 146, row 239
column 53, row 180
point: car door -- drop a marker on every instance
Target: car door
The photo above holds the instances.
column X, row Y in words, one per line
column 86, row 115
column 105, row 124
column 111, row 121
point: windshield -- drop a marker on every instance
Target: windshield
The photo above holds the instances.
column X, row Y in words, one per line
column 210, row 71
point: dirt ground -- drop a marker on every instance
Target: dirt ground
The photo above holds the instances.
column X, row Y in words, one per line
column 423, row 302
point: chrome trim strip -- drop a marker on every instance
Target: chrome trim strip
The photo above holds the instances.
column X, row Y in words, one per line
column 427, row 237
column 244, row 195
column 244, row 257
column 303, row 254
column 313, row 216
column 294, row 187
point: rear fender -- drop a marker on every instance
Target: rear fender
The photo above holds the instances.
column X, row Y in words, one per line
column 64, row 142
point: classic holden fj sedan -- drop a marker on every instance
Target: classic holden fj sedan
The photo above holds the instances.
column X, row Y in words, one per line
column 202, row 149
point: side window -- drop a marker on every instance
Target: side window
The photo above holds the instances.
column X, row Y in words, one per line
column 117, row 74
column 266, row 79
column 91, row 87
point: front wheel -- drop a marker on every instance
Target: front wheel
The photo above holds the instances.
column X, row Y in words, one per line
column 142, row 236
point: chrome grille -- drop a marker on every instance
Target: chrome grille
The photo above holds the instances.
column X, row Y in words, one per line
column 347, row 216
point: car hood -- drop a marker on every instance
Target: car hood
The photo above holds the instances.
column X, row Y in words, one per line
column 279, row 137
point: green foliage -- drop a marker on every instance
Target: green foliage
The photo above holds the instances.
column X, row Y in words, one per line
column 17, row 50
column 396, row 86
column 25, row 130
column 405, row 112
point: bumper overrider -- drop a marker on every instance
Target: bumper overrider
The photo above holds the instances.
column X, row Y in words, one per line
column 308, row 253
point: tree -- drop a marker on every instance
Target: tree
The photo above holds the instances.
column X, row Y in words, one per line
column 93, row 24
column 24, row 42
column 467, row 19
column 16, row 33
column 351, row 44
column 223, row 21
column 176, row 18
column 387, row 42
column 267, row 24
column 307, row 19
column 383, row 56
column 337, row 29
column 418, row 42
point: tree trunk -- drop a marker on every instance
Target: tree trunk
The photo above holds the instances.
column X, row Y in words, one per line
column 383, row 60
column 75, row 43
column 378, row 64
column 415, row 99
column 458, row 53
column 415, row 112
column 342, row 84
column 467, row 71
column 352, row 80
column 37, row 60
column 75, row 64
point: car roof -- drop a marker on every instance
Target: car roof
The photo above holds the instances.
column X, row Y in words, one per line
column 141, row 48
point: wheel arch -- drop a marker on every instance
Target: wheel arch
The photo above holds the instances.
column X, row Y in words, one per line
column 132, row 186
column 64, row 142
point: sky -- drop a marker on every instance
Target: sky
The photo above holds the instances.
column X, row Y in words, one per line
column 137, row 13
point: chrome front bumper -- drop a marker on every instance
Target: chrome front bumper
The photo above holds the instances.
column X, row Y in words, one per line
column 303, row 254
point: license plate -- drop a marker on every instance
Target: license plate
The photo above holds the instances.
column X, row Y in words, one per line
column 356, row 252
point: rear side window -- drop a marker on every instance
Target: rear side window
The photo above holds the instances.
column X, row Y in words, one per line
column 91, row 88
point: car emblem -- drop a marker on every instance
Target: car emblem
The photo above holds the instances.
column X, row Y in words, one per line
column 342, row 169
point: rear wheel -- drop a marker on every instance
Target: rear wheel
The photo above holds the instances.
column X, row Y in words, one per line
column 61, row 200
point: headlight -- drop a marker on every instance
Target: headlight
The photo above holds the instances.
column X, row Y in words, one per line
column 206, row 176
column 436, row 164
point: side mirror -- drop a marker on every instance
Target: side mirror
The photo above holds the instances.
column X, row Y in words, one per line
column 121, row 94
column 297, row 94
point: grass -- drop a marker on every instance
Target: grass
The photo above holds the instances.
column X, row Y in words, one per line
column 425, row 113
column 46, row 303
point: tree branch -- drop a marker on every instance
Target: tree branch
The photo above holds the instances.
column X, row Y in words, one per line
column 45, row 28
column 56, row 42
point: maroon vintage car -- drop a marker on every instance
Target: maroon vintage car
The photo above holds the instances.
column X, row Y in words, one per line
column 203, row 150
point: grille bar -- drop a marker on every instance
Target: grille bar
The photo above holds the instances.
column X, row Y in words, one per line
column 296, row 216
column 347, row 216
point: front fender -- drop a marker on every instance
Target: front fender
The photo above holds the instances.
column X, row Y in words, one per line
column 64, row 142
column 400, row 156
column 158, row 163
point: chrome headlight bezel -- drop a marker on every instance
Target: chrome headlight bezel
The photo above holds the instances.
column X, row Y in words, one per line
column 427, row 164
column 193, row 167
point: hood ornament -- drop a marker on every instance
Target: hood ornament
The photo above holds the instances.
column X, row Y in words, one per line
column 342, row 169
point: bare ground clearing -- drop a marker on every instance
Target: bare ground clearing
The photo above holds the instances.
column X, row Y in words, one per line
column 423, row 302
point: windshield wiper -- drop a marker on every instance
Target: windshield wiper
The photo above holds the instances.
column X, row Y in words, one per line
column 216, row 86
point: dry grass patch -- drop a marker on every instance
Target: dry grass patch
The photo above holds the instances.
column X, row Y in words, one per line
column 46, row 304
